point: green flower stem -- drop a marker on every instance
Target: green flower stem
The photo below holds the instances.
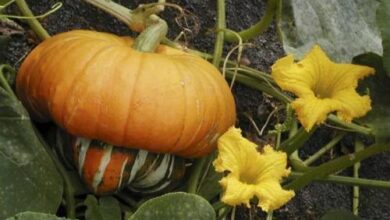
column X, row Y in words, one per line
column 269, row 215
column 297, row 163
column 355, row 199
column 196, row 173
column 219, row 205
column 346, row 180
column 224, row 212
column 256, row 84
column 295, row 142
column 352, row 126
column 3, row 81
column 336, row 165
column 259, row 27
column 324, row 149
column 221, row 25
column 32, row 21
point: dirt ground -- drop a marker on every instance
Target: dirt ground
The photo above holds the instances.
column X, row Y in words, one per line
column 311, row 202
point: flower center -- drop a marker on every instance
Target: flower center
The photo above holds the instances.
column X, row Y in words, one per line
column 247, row 177
column 322, row 91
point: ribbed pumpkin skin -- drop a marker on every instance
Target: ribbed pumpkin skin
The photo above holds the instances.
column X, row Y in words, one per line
column 94, row 85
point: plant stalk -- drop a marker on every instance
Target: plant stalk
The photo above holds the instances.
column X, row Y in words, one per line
column 336, row 165
column 196, row 173
column 4, row 83
column 257, row 28
column 221, row 25
column 346, row 180
column 295, row 142
column 32, row 21
column 324, row 149
column 355, row 200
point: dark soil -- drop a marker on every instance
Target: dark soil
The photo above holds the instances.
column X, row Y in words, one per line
column 311, row 202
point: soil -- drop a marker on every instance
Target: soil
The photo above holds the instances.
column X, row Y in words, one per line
column 309, row 203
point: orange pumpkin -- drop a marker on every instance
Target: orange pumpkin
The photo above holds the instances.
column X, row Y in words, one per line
column 94, row 85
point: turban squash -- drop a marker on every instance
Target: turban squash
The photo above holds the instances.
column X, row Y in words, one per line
column 107, row 169
column 95, row 86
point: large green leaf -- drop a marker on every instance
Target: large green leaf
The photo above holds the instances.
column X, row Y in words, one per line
column 106, row 209
column 175, row 206
column 383, row 18
column 35, row 216
column 28, row 178
column 344, row 29
column 379, row 89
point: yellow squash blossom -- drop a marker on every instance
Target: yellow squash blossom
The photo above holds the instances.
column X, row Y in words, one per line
column 322, row 87
column 251, row 173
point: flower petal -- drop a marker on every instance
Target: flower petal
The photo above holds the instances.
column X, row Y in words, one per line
column 271, row 164
column 271, row 195
column 234, row 151
column 352, row 104
column 251, row 173
column 235, row 191
column 322, row 87
column 311, row 110
column 292, row 77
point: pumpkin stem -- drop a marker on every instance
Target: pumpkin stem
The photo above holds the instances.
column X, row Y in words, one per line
column 135, row 19
column 151, row 37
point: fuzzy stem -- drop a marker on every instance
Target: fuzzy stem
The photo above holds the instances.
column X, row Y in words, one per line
column 32, row 22
column 4, row 83
column 259, row 27
column 355, row 199
column 295, row 142
column 336, row 165
column 324, row 149
column 346, row 180
column 297, row 163
column 196, row 173
column 221, row 25
column 355, row 127
column 269, row 215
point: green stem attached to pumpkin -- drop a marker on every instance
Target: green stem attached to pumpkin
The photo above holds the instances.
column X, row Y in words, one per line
column 135, row 19
column 151, row 37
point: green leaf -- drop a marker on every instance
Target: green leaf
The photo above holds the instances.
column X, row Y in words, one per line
column 344, row 29
column 378, row 87
column 339, row 214
column 29, row 180
column 172, row 206
column 382, row 18
column 106, row 209
column 35, row 216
